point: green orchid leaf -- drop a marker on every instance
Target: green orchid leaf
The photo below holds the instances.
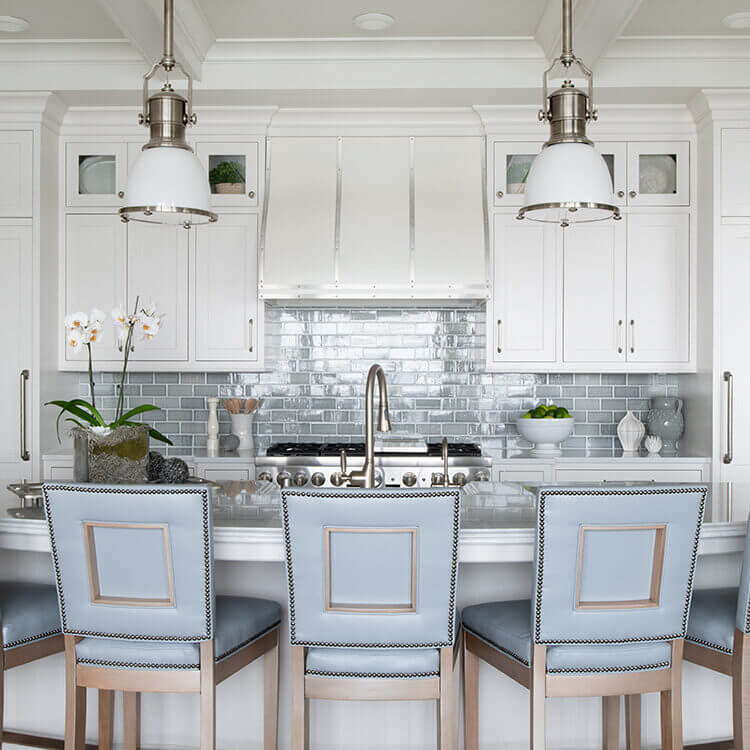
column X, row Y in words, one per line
column 67, row 406
column 94, row 411
column 138, row 410
column 155, row 434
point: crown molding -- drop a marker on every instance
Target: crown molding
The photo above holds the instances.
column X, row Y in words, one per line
column 32, row 108
column 721, row 105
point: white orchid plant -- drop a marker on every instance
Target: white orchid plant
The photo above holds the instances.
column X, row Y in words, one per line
column 84, row 330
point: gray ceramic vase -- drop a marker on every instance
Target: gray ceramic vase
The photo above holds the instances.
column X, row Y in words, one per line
column 665, row 420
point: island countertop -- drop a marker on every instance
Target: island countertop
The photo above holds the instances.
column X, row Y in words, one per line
column 497, row 523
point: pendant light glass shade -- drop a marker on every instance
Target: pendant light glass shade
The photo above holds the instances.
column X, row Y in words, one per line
column 563, row 171
column 169, row 186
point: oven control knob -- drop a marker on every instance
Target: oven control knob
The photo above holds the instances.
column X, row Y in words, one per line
column 318, row 479
column 284, row 479
column 264, row 476
column 438, row 479
column 337, row 479
column 300, row 479
column 459, row 479
column 481, row 476
column 409, row 479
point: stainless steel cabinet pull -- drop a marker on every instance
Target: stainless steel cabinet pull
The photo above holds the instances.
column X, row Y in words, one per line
column 620, row 193
column 25, row 456
column 633, row 194
column 619, row 337
column 499, row 194
column 251, row 194
column 632, row 337
column 250, row 325
column 729, row 380
column 499, row 336
column 121, row 194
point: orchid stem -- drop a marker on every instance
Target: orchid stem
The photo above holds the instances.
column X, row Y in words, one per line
column 91, row 378
column 128, row 340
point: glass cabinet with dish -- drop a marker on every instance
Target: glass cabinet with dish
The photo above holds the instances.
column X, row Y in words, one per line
column 512, row 162
column 95, row 173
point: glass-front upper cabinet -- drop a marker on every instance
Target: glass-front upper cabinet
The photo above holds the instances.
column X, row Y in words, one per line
column 615, row 157
column 659, row 173
column 95, row 173
column 232, row 170
column 512, row 162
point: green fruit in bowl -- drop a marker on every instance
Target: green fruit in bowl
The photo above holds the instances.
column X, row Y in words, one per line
column 540, row 412
column 527, row 415
column 562, row 413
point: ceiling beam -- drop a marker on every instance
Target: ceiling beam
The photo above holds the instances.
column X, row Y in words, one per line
column 597, row 24
column 141, row 22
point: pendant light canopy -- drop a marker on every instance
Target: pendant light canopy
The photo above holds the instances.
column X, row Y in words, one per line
column 167, row 184
column 569, row 181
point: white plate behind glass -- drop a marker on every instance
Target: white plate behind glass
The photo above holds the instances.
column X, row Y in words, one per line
column 96, row 175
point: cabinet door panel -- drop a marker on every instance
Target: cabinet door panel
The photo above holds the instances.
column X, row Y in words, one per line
column 735, row 180
column 594, row 292
column 511, row 163
column 158, row 273
column 659, row 173
column 658, row 281
column 15, row 176
column 95, row 263
column 226, row 290
column 16, row 294
column 734, row 270
column 232, row 170
column 374, row 213
column 95, row 173
column 525, row 291
column 615, row 155
column 448, row 214
column 299, row 249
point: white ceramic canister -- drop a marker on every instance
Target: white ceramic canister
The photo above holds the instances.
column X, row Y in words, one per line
column 242, row 427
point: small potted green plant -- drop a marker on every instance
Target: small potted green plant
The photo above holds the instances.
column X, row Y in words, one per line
column 227, row 177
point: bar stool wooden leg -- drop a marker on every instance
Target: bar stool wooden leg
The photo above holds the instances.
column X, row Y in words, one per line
column 741, row 692
column 471, row 698
column 633, row 722
column 208, row 697
column 538, row 691
column 75, row 701
column 106, row 710
column 131, row 709
column 271, row 697
column 300, row 722
column 671, row 703
column 611, row 722
column 446, row 737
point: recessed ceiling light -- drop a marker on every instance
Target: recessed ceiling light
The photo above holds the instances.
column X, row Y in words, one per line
column 13, row 24
column 737, row 20
column 374, row 21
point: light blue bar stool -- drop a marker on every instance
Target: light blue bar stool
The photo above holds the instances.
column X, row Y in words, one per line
column 135, row 583
column 372, row 598
column 613, row 581
column 717, row 638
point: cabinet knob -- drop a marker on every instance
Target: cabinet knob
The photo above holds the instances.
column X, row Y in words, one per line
column 120, row 193
column 633, row 194
column 620, row 193
column 251, row 194
column 499, row 194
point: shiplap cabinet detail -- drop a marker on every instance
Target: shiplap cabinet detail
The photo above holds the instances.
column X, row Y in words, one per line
column 16, row 173
column 374, row 217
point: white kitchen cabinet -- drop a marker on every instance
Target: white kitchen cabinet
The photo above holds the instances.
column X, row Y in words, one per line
column 510, row 167
column 523, row 324
column 232, row 170
column 658, row 287
column 300, row 235
column 16, row 175
column 449, row 222
column 615, row 154
column 735, row 179
column 16, row 292
column 659, row 173
column 227, row 315
column 666, row 473
column 94, row 275
column 95, row 173
column 374, row 235
column 594, row 262
column 157, row 271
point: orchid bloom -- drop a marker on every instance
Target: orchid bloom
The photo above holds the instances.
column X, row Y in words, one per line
column 145, row 322
column 81, row 329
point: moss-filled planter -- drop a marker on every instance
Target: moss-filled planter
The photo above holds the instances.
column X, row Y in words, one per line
column 118, row 456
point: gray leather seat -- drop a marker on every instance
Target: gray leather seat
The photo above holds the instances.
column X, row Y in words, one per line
column 239, row 621
column 506, row 626
column 28, row 612
column 712, row 618
column 374, row 662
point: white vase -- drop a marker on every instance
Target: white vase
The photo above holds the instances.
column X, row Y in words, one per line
column 630, row 432
column 653, row 445
column 242, row 427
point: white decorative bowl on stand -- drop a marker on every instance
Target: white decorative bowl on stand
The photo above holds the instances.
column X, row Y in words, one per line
column 545, row 434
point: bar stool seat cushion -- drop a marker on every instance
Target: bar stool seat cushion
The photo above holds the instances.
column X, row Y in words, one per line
column 373, row 662
column 28, row 612
column 239, row 621
column 506, row 626
column 712, row 618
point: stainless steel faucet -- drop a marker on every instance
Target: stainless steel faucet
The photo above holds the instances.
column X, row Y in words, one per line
column 365, row 477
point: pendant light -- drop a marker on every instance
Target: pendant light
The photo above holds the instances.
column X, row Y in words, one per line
column 568, row 181
column 167, row 184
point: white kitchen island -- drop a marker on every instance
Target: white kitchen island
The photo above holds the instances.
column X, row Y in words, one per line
column 496, row 550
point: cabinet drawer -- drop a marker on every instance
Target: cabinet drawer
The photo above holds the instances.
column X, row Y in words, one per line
column 226, row 475
column 629, row 475
column 520, row 475
column 59, row 472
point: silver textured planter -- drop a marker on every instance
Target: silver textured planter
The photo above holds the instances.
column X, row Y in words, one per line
column 119, row 456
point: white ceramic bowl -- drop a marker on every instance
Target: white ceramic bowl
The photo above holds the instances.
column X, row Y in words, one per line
column 545, row 434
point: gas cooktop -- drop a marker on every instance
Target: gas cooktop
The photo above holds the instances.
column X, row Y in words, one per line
column 294, row 450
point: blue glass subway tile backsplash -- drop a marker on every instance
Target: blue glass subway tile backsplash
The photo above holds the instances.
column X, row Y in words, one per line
column 317, row 359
